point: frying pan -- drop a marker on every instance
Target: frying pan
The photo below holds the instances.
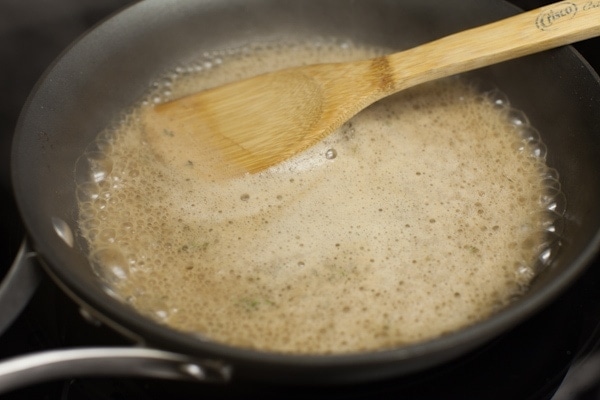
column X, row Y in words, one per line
column 111, row 67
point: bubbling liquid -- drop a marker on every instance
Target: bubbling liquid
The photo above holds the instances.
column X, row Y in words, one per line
column 427, row 212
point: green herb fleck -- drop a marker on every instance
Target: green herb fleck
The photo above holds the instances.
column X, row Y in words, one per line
column 472, row 249
column 251, row 304
column 194, row 246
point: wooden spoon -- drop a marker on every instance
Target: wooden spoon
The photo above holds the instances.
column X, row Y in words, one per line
column 253, row 124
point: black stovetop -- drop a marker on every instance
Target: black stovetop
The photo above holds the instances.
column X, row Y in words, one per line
column 529, row 362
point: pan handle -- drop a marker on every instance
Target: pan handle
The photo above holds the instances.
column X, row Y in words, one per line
column 18, row 286
column 108, row 361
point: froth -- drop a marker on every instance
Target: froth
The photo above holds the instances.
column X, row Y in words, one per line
column 423, row 214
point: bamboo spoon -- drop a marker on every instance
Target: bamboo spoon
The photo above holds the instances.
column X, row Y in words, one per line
column 253, row 124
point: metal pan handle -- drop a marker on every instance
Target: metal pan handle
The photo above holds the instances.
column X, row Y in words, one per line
column 18, row 286
column 108, row 361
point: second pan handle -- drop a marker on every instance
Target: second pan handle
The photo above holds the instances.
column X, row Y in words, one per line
column 18, row 286
column 39, row 367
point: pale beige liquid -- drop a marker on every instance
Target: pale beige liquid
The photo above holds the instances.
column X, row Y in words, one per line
column 417, row 218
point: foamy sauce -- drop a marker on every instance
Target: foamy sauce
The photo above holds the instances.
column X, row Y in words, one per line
column 427, row 212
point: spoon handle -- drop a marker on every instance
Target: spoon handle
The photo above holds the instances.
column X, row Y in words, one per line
column 534, row 31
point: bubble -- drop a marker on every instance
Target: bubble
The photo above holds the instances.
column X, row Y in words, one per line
column 111, row 292
column 539, row 150
column 107, row 235
column 525, row 271
column 517, row 118
column 330, row 154
column 557, row 226
column 551, row 184
column 87, row 192
column 529, row 134
column 161, row 314
column 103, row 146
column 99, row 166
column 555, row 202
column 245, row 197
column 498, row 99
column 551, row 173
column 110, row 264
column 546, row 256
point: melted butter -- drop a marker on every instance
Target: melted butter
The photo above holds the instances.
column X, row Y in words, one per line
column 418, row 217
